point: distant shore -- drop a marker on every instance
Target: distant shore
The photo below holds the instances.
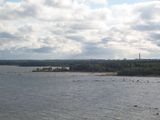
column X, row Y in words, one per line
column 142, row 67
column 96, row 73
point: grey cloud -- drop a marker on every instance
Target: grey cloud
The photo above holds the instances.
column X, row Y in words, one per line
column 94, row 51
column 149, row 10
column 43, row 50
column 82, row 26
column 28, row 10
column 155, row 38
column 76, row 37
column 24, row 10
column 105, row 40
column 7, row 36
column 26, row 29
column 54, row 3
column 147, row 27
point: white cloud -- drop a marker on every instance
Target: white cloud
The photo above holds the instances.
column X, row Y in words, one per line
column 68, row 28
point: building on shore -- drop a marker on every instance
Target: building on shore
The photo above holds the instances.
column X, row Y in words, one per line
column 52, row 69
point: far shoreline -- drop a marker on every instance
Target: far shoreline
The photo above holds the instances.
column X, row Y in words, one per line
column 100, row 74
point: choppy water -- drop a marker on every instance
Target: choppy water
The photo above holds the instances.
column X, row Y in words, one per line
column 76, row 96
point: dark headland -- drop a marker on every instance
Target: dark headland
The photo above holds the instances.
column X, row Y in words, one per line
column 146, row 67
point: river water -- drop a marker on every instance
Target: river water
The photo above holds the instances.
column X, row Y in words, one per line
column 25, row 95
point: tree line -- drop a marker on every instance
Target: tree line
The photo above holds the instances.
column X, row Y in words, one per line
column 122, row 67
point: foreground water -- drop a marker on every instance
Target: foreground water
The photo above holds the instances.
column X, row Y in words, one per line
column 76, row 96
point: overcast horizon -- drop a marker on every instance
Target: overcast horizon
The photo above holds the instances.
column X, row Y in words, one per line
column 79, row 29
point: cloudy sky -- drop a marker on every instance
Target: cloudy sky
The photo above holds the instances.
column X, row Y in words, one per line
column 79, row 29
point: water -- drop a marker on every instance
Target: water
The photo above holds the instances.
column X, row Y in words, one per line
column 76, row 96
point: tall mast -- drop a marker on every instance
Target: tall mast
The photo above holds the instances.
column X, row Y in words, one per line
column 139, row 56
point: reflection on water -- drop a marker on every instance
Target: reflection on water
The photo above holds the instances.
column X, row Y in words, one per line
column 76, row 96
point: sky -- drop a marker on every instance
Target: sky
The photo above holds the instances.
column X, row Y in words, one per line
column 79, row 29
